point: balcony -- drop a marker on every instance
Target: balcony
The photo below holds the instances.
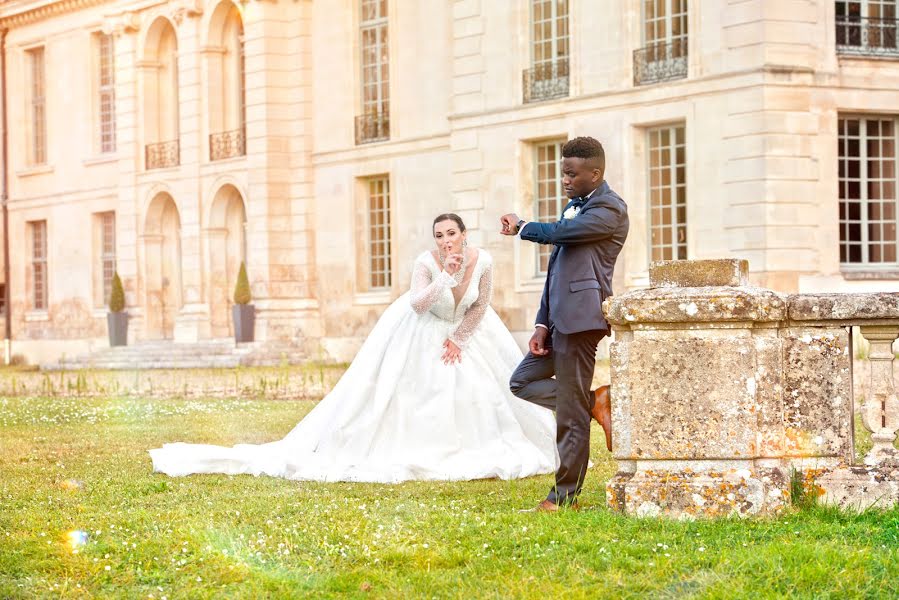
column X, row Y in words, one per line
column 862, row 36
column 660, row 62
column 162, row 154
column 374, row 127
column 228, row 144
column 545, row 81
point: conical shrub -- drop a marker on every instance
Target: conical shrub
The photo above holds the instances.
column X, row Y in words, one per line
column 117, row 294
column 242, row 288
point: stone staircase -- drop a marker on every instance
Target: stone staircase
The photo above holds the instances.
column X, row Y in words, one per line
column 166, row 354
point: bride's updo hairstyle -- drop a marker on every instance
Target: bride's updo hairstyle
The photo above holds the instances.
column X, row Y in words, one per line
column 449, row 217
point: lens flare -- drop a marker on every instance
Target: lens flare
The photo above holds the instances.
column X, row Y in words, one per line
column 76, row 539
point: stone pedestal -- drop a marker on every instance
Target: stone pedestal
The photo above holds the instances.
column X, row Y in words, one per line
column 716, row 398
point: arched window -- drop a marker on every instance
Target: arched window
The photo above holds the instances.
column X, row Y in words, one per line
column 227, row 95
column 160, row 84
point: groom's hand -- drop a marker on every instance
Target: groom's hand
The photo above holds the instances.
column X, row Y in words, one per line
column 509, row 224
column 537, row 345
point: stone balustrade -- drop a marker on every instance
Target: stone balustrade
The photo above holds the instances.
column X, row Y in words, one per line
column 722, row 392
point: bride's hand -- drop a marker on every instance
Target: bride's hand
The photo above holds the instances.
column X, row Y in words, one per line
column 451, row 353
column 453, row 263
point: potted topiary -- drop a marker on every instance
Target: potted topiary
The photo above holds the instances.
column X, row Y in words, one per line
column 117, row 318
column 243, row 312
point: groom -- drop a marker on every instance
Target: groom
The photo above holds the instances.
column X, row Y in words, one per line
column 570, row 322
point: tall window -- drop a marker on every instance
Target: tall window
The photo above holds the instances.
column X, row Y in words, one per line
column 106, row 91
column 242, row 80
column 227, row 85
column 39, row 264
column 548, row 76
column 667, row 193
column 374, row 123
column 867, row 27
column 664, row 52
column 549, row 199
column 106, row 264
column 379, row 232
column 38, row 109
column 161, row 132
column 868, row 199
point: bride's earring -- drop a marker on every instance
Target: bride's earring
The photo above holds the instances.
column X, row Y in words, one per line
column 464, row 244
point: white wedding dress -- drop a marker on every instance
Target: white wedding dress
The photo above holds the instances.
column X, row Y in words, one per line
column 399, row 413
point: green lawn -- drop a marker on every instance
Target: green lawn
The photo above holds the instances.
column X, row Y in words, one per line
column 80, row 464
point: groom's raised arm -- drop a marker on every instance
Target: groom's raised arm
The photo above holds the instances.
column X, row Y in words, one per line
column 591, row 225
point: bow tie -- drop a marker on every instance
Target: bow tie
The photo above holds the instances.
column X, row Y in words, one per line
column 578, row 202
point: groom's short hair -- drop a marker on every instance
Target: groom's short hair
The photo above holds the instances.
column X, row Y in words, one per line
column 587, row 148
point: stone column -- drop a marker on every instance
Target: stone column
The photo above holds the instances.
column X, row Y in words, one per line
column 124, row 26
column 280, row 199
column 193, row 321
column 880, row 411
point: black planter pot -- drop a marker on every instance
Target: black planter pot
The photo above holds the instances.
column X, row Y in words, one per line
column 117, row 323
column 244, row 322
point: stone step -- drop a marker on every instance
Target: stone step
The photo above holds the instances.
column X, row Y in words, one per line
column 160, row 354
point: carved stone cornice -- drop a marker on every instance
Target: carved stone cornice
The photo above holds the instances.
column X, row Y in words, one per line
column 126, row 22
column 179, row 9
column 24, row 13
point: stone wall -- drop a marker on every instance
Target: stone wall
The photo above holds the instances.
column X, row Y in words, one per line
column 722, row 390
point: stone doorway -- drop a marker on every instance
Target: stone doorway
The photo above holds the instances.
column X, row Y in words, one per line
column 227, row 248
column 162, row 266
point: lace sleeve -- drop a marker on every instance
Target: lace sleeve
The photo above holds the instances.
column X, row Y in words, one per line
column 424, row 291
column 475, row 312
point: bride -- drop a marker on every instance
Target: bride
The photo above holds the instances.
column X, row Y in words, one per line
column 426, row 397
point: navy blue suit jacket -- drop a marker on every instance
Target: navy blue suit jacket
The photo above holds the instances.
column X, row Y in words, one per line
column 579, row 275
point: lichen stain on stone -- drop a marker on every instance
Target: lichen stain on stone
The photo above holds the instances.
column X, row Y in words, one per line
column 733, row 373
column 688, row 494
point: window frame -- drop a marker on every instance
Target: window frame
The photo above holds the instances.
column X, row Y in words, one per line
column 679, row 248
column 40, row 294
column 36, row 73
column 104, row 45
column 864, row 188
column 378, row 234
column 541, row 251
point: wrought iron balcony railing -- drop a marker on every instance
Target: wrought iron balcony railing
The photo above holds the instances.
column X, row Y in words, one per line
column 374, row 127
column 163, row 154
column 660, row 62
column 545, row 81
column 228, row 144
column 867, row 36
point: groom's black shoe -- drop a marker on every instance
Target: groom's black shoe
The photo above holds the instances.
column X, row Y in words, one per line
column 602, row 412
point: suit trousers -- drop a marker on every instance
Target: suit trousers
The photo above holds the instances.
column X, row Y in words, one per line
column 572, row 359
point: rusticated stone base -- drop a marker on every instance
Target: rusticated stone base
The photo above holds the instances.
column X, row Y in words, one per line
column 686, row 494
column 860, row 487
